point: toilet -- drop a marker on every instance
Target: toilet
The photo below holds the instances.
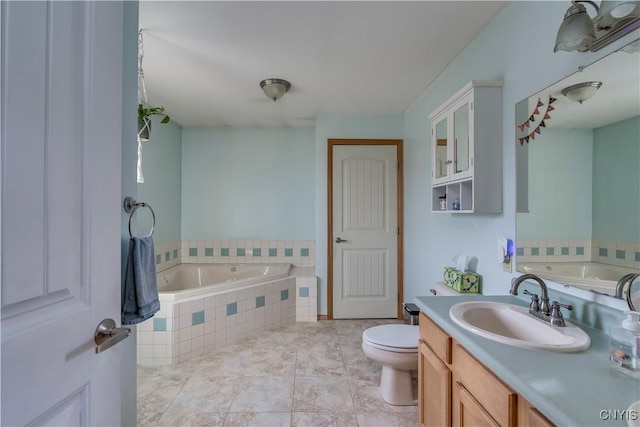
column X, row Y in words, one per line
column 395, row 346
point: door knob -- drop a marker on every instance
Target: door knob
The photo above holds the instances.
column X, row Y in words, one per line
column 339, row 240
column 107, row 335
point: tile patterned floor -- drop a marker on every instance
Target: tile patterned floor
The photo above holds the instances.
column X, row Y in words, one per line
column 306, row 374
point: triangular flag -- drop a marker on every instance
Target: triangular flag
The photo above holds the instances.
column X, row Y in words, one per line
column 533, row 135
column 521, row 141
column 551, row 100
column 540, row 103
column 546, row 116
column 521, row 127
column 542, row 124
column 527, row 123
column 526, row 138
column 531, row 118
column 550, row 108
column 536, row 111
column 538, row 130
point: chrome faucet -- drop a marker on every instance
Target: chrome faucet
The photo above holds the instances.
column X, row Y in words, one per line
column 541, row 308
column 627, row 278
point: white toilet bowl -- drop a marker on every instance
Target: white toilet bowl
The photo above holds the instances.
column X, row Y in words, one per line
column 395, row 346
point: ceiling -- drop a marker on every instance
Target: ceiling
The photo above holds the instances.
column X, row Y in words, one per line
column 203, row 60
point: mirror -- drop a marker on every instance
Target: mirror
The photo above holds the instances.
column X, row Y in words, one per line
column 461, row 138
column 441, row 148
column 578, row 177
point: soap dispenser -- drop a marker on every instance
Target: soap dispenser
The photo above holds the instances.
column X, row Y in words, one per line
column 624, row 345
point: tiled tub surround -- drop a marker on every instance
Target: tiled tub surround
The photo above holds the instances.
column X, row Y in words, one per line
column 195, row 326
column 621, row 254
column 300, row 253
column 168, row 255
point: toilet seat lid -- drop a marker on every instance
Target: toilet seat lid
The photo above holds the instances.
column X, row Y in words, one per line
column 395, row 336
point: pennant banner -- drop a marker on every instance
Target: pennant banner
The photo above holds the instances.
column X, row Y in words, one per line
column 537, row 129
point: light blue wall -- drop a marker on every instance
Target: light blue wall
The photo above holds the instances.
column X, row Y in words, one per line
column 616, row 174
column 248, row 183
column 357, row 126
column 517, row 47
column 559, row 202
column 162, row 187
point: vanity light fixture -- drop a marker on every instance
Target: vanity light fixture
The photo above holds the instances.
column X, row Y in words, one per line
column 582, row 91
column 614, row 19
column 275, row 88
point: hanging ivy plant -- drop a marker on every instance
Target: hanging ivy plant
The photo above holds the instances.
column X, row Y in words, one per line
column 144, row 119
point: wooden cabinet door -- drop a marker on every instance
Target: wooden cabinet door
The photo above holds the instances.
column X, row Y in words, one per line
column 467, row 412
column 434, row 389
column 528, row 416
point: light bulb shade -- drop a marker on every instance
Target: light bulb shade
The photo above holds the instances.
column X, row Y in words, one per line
column 275, row 88
column 616, row 9
column 576, row 31
column 582, row 91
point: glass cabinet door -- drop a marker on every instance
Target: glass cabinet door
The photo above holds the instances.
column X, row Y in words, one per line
column 461, row 139
column 441, row 146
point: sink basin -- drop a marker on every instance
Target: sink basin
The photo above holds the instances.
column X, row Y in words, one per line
column 513, row 325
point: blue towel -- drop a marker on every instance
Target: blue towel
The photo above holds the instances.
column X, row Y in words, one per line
column 140, row 287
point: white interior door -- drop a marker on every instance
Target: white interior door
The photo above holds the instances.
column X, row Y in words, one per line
column 365, row 231
column 61, row 183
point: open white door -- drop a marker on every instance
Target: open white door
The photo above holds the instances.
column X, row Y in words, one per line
column 61, row 182
column 365, row 231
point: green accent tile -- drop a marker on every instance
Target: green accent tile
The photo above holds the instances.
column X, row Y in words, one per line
column 273, row 252
column 550, row 251
column 208, row 251
column 580, row 250
column 284, row 294
column 304, row 252
column 564, row 250
column 167, row 256
column 197, row 318
column 535, row 251
column 193, row 251
column 620, row 254
column 303, row 293
column 260, row 301
column 158, row 259
column 257, row 252
column 175, row 253
column 520, row 251
column 638, row 256
column 603, row 252
column 240, row 252
column 224, row 252
column 159, row 324
column 232, row 308
column 288, row 252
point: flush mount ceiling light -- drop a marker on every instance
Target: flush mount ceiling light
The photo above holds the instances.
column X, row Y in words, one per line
column 614, row 19
column 582, row 91
column 275, row 88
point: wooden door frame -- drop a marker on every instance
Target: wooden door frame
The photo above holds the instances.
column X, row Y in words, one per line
column 332, row 142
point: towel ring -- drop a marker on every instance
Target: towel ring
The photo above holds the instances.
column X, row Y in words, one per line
column 130, row 206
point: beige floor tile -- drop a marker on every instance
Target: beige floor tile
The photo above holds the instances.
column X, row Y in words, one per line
column 322, row 393
column 323, row 419
column 273, row 363
column 184, row 419
column 387, row 419
column 258, row 419
column 263, row 394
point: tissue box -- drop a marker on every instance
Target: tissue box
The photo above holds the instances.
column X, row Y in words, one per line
column 467, row 282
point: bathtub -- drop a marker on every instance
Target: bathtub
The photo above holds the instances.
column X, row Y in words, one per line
column 195, row 280
column 587, row 275
column 204, row 307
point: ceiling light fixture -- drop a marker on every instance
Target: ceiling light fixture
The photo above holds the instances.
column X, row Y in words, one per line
column 582, row 91
column 614, row 19
column 275, row 88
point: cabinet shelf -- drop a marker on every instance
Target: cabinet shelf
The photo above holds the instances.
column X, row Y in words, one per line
column 466, row 150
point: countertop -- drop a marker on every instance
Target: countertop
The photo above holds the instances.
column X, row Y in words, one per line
column 570, row 389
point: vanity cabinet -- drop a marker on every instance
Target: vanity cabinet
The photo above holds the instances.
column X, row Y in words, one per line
column 466, row 150
column 454, row 389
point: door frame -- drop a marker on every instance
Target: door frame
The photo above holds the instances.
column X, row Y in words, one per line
column 332, row 142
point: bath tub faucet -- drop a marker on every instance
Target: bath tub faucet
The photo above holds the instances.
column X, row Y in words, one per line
column 627, row 278
column 544, row 311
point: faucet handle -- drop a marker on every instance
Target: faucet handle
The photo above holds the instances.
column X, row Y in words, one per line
column 555, row 318
column 535, row 301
